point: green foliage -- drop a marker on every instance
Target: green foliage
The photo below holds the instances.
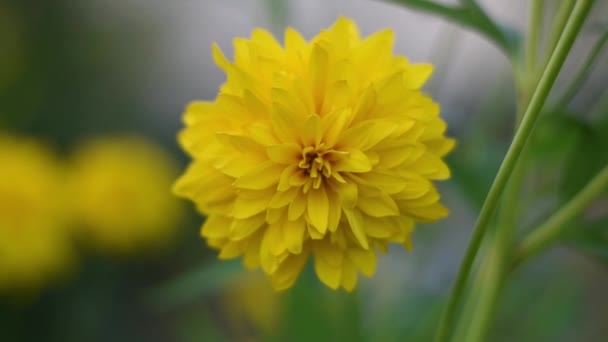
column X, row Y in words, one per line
column 586, row 158
column 472, row 16
column 591, row 238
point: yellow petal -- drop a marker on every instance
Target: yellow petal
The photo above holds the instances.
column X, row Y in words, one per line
column 246, row 207
column 260, row 177
column 216, row 226
column 333, row 125
column 284, row 123
column 389, row 182
column 267, row 42
column 295, row 46
column 365, row 106
column 251, row 257
column 219, row 58
column 285, row 153
column 311, row 131
column 274, row 215
column 431, row 166
column 349, row 276
column 297, row 207
column 243, row 228
column 364, row 260
column 288, row 271
column 441, row 146
column 417, row 75
column 380, row 227
column 314, row 233
column 241, row 143
column 329, row 275
column 335, row 210
column 318, row 209
column 356, row 225
column 344, row 31
column 356, row 161
column 271, row 243
column 283, row 198
column 198, row 110
column 317, row 72
column 347, row 192
column 378, row 206
column 262, row 134
column 293, row 235
column 288, row 173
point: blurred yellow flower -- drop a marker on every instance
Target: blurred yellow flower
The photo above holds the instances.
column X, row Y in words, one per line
column 325, row 148
column 34, row 239
column 250, row 302
column 121, row 191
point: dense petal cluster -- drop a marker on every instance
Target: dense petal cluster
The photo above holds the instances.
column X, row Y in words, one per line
column 325, row 148
column 120, row 188
column 34, row 239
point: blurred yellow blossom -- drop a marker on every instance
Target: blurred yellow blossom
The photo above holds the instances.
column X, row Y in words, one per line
column 121, row 192
column 325, row 148
column 34, row 239
column 250, row 302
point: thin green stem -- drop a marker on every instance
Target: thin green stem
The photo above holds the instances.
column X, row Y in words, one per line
column 601, row 105
column 575, row 86
column 470, row 16
column 521, row 136
column 532, row 38
column 526, row 76
column 499, row 259
column 555, row 225
column 558, row 25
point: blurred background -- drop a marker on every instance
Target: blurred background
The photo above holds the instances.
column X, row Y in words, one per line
column 87, row 85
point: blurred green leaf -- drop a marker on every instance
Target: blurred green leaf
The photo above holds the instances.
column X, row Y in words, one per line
column 539, row 307
column 591, row 239
column 473, row 168
column 315, row 313
column 554, row 135
column 585, row 159
column 471, row 16
column 206, row 281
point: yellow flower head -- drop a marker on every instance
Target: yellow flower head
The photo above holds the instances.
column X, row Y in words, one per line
column 34, row 239
column 325, row 148
column 121, row 187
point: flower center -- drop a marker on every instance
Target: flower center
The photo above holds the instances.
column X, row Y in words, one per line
column 316, row 165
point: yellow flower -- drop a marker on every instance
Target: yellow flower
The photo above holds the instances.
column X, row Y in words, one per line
column 34, row 239
column 325, row 148
column 121, row 187
column 250, row 302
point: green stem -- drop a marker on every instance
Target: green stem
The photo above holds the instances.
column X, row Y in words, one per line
column 521, row 136
column 551, row 230
column 559, row 23
column 532, row 38
column 500, row 248
column 584, row 73
column 526, row 77
column 601, row 105
column 470, row 16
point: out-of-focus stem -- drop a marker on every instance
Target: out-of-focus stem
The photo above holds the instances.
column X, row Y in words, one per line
column 555, row 225
column 521, row 136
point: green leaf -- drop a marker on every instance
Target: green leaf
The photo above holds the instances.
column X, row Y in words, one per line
column 206, row 281
column 470, row 16
column 587, row 157
column 473, row 168
column 315, row 313
column 555, row 135
column 591, row 239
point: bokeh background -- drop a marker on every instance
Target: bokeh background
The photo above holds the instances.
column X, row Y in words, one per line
column 79, row 74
